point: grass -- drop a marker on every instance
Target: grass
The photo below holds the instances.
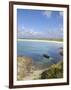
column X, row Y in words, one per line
column 49, row 39
column 54, row 71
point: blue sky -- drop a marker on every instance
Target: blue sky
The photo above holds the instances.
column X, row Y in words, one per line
column 39, row 23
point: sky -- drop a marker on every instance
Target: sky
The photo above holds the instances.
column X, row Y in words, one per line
column 39, row 23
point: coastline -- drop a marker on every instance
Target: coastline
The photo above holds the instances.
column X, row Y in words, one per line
column 25, row 70
column 39, row 40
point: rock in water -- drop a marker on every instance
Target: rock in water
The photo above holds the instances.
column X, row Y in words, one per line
column 46, row 56
column 61, row 51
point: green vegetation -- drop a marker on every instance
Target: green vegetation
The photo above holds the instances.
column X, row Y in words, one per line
column 54, row 71
column 26, row 70
column 50, row 39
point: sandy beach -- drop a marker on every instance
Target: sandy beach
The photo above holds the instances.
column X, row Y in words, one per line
column 25, row 64
column 39, row 40
column 26, row 70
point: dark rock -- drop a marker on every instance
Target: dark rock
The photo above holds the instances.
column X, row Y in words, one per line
column 46, row 56
column 61, row 53
column 61, row 48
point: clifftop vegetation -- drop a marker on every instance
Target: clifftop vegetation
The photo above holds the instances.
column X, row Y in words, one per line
column 54, row 71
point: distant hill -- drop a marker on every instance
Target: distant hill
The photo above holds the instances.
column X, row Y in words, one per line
column 51, row 39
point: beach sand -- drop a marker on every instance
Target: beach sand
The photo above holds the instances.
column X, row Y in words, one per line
column 25, row 69
column 39, row 40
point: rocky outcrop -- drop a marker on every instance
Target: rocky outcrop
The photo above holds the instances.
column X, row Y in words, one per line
column 46, row 56
column 61, row 51
column 24, row 66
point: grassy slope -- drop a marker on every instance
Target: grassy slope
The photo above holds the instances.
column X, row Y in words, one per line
column 25, row 71
column 54, row 71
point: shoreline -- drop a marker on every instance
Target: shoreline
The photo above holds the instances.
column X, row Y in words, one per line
column 39, row 40
column 26, row 70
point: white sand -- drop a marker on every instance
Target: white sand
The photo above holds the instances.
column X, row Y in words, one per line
column 39, row 40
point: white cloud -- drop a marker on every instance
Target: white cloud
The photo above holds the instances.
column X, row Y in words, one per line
column 27, row 31
column 61, row 30
column 47, row 13
column 61, row 13
column 22, row 27
column 60, row 27
column 33, row 33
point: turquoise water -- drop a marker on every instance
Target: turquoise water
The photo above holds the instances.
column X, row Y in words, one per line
column 36, row 50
